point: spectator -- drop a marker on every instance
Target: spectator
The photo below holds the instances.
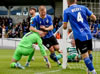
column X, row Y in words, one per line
column 0, row 31
column 17, row 31
column 94, row 30
column 22, row 28
column 91, row 26
column 3, row 31
column 98, row 34
column 10, row 34
column 99, row 26
column 58, row 35
column 21, row 31
column 13, row 31
column 60, row 22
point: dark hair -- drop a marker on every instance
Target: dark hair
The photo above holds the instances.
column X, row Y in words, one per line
column 71, row 1
column 33, row 9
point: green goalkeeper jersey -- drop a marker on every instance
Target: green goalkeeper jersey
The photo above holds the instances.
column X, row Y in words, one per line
column 72, row 53
column 31, row 38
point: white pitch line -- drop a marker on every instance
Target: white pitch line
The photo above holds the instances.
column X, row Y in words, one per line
column 48, row 71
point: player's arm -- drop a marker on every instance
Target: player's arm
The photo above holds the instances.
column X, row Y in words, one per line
column 65, row 20
column 50, row 25
column 90, row 14
column 33, row 25
column 43, row 52
column 32, row 28
column 47, row 28
column 93, row 17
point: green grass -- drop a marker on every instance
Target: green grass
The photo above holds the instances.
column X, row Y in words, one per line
column 38, row 66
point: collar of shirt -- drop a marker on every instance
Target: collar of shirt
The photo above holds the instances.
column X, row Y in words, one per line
column 73, row 4
column 41, row 17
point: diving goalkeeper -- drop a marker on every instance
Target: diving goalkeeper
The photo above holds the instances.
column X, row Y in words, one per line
column 25, row 48
column 73, row 55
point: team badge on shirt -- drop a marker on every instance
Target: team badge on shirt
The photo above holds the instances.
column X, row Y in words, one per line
column 47, row 21
column 40, row 22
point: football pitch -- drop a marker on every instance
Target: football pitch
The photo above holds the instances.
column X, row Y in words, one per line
column 38, row 65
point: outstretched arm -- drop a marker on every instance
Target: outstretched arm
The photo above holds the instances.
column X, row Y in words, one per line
column 43, row 52
column 93, row 17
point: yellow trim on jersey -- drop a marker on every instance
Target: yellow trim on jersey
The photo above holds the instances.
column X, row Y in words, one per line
column 65, row 22
column 91, row 14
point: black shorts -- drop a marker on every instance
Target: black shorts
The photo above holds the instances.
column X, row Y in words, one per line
column 84, row 46
column 48, row 42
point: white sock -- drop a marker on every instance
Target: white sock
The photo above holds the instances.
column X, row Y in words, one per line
column 93, row 71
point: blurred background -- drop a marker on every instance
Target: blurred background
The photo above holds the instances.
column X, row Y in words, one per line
column 15, row 18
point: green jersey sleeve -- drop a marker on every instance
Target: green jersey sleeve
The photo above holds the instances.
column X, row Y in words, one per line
column 42, row 49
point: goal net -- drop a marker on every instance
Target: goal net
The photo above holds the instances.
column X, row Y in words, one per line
column 94, row 6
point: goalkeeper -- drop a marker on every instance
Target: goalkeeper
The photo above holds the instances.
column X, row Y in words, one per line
column 25, row 48
column 73, row 55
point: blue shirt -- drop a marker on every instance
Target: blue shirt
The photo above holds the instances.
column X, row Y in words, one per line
column 47, row 21
column 95, row 26
column 77, row 16
column 99, row 26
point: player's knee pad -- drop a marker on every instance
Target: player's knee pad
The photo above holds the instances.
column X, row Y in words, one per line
column 53, row 57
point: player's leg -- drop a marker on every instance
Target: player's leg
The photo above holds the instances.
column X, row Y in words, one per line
column 83, row 47
column 14, row 63
column 48, row 44
column 59, row 56
column 56, row 47
column 72, row 58
column 55, row 44
column 90, row 49
column 69, row 58
column 34, row 46
column 30, row 58
column 90, row 52
column 53, row 55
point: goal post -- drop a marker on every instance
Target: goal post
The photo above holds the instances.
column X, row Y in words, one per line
column 64, row 37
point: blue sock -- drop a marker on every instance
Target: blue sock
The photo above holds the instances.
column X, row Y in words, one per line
column 53, row 57
column 91, row 57
column 46, row 59
column 89, row 64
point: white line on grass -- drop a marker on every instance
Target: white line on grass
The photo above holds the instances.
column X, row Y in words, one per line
column 48, row 71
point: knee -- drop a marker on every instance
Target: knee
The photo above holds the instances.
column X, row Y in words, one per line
column 85, row 55
column 56, row 47
column 89, row 52
column 51, row 49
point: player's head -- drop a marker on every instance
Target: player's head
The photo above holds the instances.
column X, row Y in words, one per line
column 73, row 42
column 42, row 11
column 32, row 11
column 70, row 2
